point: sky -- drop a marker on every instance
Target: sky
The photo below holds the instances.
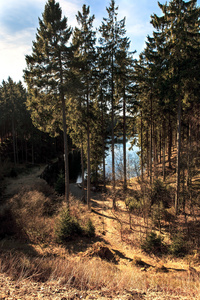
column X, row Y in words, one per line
column 19, row 23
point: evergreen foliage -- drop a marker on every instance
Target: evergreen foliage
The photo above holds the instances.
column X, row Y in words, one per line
column 178, row 246
column 153, row 243
column 67, row 227
column 48, row 76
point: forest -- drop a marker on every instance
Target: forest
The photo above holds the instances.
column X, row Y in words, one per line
column 84, row 87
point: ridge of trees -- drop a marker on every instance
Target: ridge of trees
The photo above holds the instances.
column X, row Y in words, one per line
column 86, row 90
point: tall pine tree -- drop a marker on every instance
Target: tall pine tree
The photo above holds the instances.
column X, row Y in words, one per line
column 47, row 76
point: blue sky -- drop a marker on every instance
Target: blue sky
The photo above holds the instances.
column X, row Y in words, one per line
column 19, row 21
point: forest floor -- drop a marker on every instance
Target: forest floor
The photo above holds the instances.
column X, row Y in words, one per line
column 164, row 278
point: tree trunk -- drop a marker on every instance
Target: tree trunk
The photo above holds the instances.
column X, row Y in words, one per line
column 169, row 142
column 88, row 155
column 178, row 155
column 188, row 179
column 113, row 143
column 14, row 145
column 66, row 162
column 147, row 154
column 151, row 139
column 66, row 151
column 82, row 172
column 104, row 163
column 141, row 158
column 160, row 145
column 124, row 140
column 163, row 151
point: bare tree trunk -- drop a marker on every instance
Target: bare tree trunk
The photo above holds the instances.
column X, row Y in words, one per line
column 124, row 140
column 82, row 171
column 188, row 180
column 147, row 155
column 141, row 138
column 113, row 143
column 88, row 155
column 65, row 152
column 163, row 147
column 169, row 142
column 178, row 155
column 14, row 144
column 151, row 146
column 17, row 151
column 160, row 145
column 103, row 142
column 104, row 164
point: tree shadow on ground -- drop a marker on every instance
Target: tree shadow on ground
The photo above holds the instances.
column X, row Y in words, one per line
column 81, row 244
column 12, row 236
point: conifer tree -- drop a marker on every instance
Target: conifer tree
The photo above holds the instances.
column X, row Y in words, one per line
column 84, row 65
column 180, row 27
column 125, row 87
column 47, row 76
column 112, row 40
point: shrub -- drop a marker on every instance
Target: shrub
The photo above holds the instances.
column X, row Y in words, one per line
column 90, row 229
column 153, row 243
column 60, row 184
column 67, row 227
column 157, row 214
column 177, row 247
column 160, row 193
column 133, row 204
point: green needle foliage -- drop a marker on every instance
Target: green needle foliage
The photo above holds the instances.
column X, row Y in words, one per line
column 48, row 76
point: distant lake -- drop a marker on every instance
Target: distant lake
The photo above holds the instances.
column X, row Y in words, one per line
column 132, row 161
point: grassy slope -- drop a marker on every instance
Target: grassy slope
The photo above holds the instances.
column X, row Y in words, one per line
column 33, row 256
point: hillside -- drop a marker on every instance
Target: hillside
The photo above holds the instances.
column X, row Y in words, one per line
column 110, row 265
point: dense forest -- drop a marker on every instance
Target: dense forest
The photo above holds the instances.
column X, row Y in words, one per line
column 84, row 87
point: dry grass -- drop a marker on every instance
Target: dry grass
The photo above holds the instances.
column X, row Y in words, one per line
column 33, row 255
column 95, row 274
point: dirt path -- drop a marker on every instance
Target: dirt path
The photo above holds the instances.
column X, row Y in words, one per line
column 25, row 180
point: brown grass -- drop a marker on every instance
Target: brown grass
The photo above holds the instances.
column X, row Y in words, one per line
column 95, row 274
column 32, row 253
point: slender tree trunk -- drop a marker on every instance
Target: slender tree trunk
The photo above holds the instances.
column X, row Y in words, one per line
column 178, row 155
column 188, row 180
column 103, row 152
column 151, row 146
column 66, row 151
column 147, row 157
column 17, row 150
column 82, row 172
column 160, row 145
column 169, row 142
column 124, row 140
column 113, row 142
column 88, row 155
column 14, row 144
column 163, row 147
column 141, row 138
column 155, row 145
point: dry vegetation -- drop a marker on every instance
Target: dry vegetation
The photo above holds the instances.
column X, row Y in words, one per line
column 110, row 265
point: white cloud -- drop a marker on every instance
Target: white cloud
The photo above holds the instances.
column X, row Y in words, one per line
column 12, row 53
column 14, row 45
